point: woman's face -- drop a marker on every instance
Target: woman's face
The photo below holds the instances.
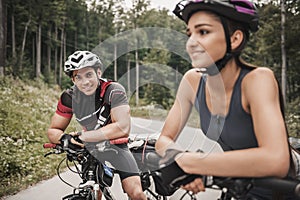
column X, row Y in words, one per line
column 86, row 80
column 206, row 43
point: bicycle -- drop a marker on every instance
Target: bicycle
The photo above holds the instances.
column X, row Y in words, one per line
column 97, row 176
column 231, row 188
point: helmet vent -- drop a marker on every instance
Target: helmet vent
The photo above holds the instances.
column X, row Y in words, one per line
column 77, row 60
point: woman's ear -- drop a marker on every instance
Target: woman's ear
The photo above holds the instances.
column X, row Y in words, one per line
column 236, row 39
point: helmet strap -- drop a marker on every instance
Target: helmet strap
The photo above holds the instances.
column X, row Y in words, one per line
column 216, row 68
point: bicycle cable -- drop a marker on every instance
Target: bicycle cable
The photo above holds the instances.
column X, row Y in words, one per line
column 58, row 174
column 192, row 196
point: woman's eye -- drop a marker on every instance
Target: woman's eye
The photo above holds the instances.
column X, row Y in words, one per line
column 203, row 32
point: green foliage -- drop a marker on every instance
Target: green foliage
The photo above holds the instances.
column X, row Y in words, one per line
column 265, row 46
column 293, row 118
column 25, row 112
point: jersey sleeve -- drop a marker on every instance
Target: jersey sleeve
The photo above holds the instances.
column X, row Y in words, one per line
column 116, row 95
column 64, row 106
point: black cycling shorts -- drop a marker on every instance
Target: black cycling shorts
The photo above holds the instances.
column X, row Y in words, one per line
column 120, row 157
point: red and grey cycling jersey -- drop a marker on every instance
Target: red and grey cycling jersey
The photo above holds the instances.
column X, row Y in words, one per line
column 93, row 111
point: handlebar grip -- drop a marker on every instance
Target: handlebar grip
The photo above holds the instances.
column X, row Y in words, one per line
column 49, row 145
column 281, row 185
column 153, row 157
column 119, row 141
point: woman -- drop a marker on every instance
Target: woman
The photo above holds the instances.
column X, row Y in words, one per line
column 238, row 104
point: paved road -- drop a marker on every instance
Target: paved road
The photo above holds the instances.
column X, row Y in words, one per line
column 54, row 189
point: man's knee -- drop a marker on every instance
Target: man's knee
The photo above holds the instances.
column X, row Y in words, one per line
column 138, row 195
column 133, row 188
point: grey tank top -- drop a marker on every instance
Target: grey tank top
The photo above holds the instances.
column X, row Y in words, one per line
column 233, row 131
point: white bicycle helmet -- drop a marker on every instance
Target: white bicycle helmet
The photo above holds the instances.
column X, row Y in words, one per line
column 81, row 59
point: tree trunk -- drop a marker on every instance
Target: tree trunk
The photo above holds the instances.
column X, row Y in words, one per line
column 55, row 54
column 13, row 36
column 76, row 40
column 23, row 47
column 38, row 51
column 283, row 52
column 49, row 52
column 128, row 78
column 65, row 49
column 61, row 56
column 33, row 50
column 2, row 36
column 137, row 77
column 115, row 62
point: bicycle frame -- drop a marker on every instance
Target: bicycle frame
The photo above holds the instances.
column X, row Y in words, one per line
column 91, row 185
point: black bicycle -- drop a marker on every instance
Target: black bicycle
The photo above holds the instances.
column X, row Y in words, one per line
column 97, row 177
column 230, row 188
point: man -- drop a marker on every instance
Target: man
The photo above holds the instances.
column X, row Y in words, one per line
column 102, row 109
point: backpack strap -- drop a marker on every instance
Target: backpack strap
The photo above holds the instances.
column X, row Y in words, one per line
column 104, row 83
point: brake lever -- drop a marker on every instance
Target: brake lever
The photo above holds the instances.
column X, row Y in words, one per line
column 48, row 154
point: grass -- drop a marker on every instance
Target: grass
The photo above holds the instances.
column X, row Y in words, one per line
column 25, row 112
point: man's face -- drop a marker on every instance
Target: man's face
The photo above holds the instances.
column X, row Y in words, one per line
column 86, row 80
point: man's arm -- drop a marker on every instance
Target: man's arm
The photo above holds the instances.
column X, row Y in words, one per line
column 57, row 127
column 119, row 128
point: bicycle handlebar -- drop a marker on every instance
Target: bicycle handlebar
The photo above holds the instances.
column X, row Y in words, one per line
column 280, row 185
column 49, row 145
column 240, row 185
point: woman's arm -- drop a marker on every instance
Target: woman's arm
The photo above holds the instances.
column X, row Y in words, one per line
column 180, row 111
column 271, row 157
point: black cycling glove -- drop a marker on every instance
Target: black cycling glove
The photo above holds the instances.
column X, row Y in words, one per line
column 66, row 142
column 171, row 173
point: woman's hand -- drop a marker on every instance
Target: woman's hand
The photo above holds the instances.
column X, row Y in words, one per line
column 195, row 186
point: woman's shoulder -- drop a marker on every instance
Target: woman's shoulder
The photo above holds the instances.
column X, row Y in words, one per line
column 260, row 81
column 189, row 85
column 192, row 75
column 259, row 75
column 260, row 72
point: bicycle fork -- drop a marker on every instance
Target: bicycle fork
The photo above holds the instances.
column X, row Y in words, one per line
column 96, row 189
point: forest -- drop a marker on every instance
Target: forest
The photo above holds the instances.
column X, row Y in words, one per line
column 141, row 47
